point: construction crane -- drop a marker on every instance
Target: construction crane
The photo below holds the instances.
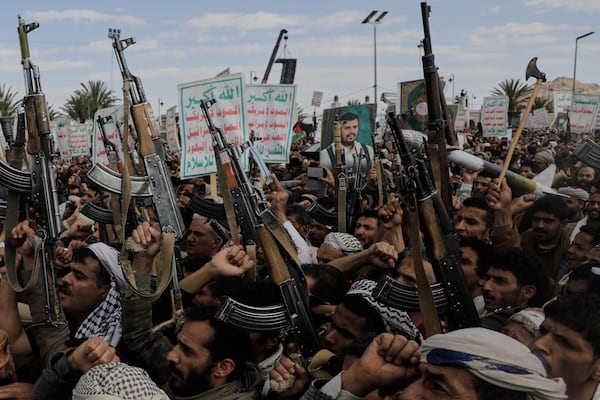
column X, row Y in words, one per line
column 289, row 64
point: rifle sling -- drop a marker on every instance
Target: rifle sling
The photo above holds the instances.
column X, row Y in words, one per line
column 11, row 267
column 428, row 309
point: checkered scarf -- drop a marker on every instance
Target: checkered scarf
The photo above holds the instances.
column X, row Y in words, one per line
column 117, row 381
column 105, row 320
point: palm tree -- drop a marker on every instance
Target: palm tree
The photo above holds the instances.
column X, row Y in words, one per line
column 9, row 100
column 541, row 102
column 84, row 102
column 53, row 114
column 516, row 91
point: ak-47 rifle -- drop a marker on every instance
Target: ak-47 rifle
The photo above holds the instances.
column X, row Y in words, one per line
column 436, row 124
column 252, row 207
column 155, row 184
column 440, row 241
column 39, row 184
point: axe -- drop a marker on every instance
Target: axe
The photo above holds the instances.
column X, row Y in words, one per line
column 532, row 70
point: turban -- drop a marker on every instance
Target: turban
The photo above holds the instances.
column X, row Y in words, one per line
column 344, row 242
column 529, row 319
column 494, row 358
column 577, row 193
column 396, row 321
column 544, row 156
column 109, row 259
column 117, row 381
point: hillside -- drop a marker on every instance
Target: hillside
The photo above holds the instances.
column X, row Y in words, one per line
column 564, row 84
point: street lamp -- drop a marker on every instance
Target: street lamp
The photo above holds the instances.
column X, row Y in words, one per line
column 575, row 62
column 568, row 138
column 451, row 79
column 160, row 103
column 374, row 22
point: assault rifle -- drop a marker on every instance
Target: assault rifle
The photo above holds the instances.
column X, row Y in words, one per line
column 38, row 186
column 436, row 124
column 155, row 184
column 254, row 214
column 440, row 241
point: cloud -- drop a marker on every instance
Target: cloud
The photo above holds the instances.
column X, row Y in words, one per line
column 78, row 16
column 59, row 65
column 244, row 22
column 574, row 5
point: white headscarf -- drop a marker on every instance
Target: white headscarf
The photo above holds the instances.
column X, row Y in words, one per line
column 494, row 358
column 105, row 320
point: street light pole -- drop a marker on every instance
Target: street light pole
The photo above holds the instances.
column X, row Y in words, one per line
column 573, row 89
column 374, row 22
column 575, row 60
column 160, row 103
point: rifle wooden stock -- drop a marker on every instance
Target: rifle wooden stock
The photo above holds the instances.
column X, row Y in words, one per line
column 342, row 179
column 440, row 241
column 436, row 124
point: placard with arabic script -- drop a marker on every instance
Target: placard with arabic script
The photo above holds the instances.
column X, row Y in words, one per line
column 197, row 156
column 494, row 116
column 269, row 115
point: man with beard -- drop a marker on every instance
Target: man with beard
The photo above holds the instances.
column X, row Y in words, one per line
column 367, row 228
column 480, row 184
column 209, row 359
column 547, row 237
column 586, row 176
column 354, row 153
column 514, row 280
column 593, row 214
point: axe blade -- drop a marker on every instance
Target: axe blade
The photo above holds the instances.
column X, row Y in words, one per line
column 532, row 70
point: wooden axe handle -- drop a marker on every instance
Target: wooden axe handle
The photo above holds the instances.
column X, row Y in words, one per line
column 517, row 135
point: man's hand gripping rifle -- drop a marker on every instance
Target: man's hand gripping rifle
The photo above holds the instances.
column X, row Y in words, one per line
column 258, row 223
column 38, row 186
column 440, row 241
column 155, row 185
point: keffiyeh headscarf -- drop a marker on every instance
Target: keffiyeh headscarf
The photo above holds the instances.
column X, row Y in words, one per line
column 494, row 358
column 344, row 242
column 117, row 381
column 105, row 320
column 396, row 321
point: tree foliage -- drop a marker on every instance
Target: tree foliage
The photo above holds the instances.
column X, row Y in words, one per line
column 541, row 102
column 9, row 100
column 517, row 92
column 84, row 102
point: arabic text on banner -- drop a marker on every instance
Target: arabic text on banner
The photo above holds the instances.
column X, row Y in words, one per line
column 79, row 143
column 494, row 116
column 197, row 158
column 583, row 113
column 269, row 114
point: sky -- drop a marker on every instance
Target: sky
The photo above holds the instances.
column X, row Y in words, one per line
column 479, row 43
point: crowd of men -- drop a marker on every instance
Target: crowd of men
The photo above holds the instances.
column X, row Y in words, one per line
column 531, row 265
